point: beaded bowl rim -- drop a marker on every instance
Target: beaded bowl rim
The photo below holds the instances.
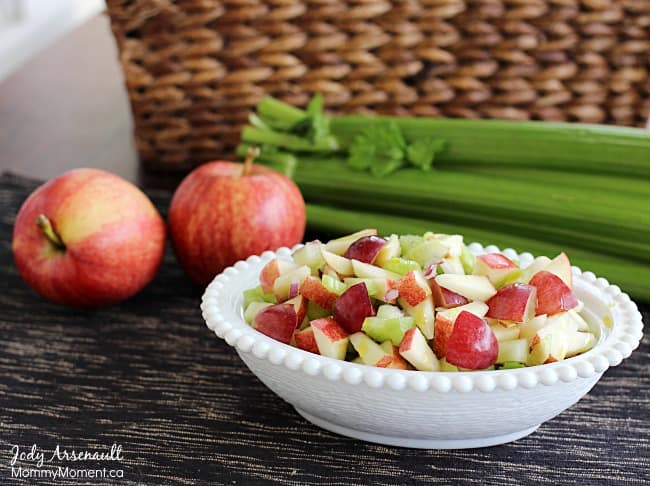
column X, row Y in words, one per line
column 228, row 324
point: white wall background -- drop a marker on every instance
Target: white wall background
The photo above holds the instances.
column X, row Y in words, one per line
column 28, row 26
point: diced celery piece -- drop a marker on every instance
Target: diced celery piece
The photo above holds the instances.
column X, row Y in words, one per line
column 256, row 295
column 333, row 285
column 467, row 259
column 401, row 266
column 409, row 241
column 388, row 311
column 387, row 329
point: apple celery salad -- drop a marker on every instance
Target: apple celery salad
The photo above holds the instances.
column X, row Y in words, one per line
column 419, row 302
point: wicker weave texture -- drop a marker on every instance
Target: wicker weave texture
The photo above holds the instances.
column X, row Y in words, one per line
column 195, row 68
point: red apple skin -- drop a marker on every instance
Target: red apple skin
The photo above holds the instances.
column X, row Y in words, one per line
column 113, row 235
column 312, row 289
column 352, row 307
column 409, row 289
column 472, row 344
column 330, row 328
column 305, row 340
column 553, row 295
column 496, row 261
column 219, row 216
column 446, row 298
column 442, row 331
column 278, row 321
column 511, row 303
column 365, row 249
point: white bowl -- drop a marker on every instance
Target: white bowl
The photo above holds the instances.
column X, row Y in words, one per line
column 433, row 410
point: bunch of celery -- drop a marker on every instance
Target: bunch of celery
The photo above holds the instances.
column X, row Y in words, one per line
column 539, row 187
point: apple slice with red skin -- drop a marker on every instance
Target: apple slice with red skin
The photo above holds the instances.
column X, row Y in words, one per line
column 553, row 295
column 278, row 321
column 415, row 349
column 442, row 330
column 313, row 289
column 444, row 297
column 305, row 340
column 561, row 266
column 413, row 287
column 514, row 302
column 272, row 271
column 365, row 249
column 472, row 344
column 299, row 304
column 331, row 338
column 497, row 267
column 397, row 362
column 352, row 307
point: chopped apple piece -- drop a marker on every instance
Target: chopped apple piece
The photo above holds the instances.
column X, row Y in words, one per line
column 342, row 266
column 299, row 304
column 340, row 245
column 498, row 268
column 389, row 251
column 579, row 320
column 471, row 344
column 514, row 302
column 277, row 321
column 477, row 308
column 553, row 295
column 392, row 329
column 413, row 287
column 454, row 243
column 252, row 309
column 473, row 287
column 332, row 340
column 516, row 350
column 313, row 289
column 423, row 313
column 452, row 265
column 305, row 340
column 272, row 271
column 378, row 288
column 352, row 307
column 310, row 255
column 282, row 287
column 579, row 342
column 445, row 298
column 529, row 329
column 505, row 333
column 369, row 351
column 561, row 266
column 536, row 265
column 365, row 249
column 442, row 330
column 416, row 350
column 365, row 270
column 398, row 362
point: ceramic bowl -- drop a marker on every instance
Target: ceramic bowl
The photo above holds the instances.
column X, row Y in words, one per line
column 437, row 410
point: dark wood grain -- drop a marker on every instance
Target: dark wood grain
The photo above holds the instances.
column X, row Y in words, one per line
column 147, row 374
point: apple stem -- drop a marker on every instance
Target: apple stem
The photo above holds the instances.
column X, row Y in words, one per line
column 251, row 154
column 44, row 223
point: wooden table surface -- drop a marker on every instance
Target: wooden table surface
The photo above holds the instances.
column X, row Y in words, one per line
column 148, row 375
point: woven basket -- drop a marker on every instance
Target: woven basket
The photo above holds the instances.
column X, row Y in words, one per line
column 195, row 68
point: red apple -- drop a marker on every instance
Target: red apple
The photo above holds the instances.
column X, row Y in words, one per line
column 553, row 295
column 331, row 339
column 497, row 267
column 514, row 302
column 313, row 289
column 88, row 238
column 352, row 307
column 278, row 321
column 272, row 271
column 444, row 297
column 472, row 344
column 223, row 212
column 365, row 249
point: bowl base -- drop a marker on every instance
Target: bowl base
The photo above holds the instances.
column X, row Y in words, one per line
column 416, row 443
